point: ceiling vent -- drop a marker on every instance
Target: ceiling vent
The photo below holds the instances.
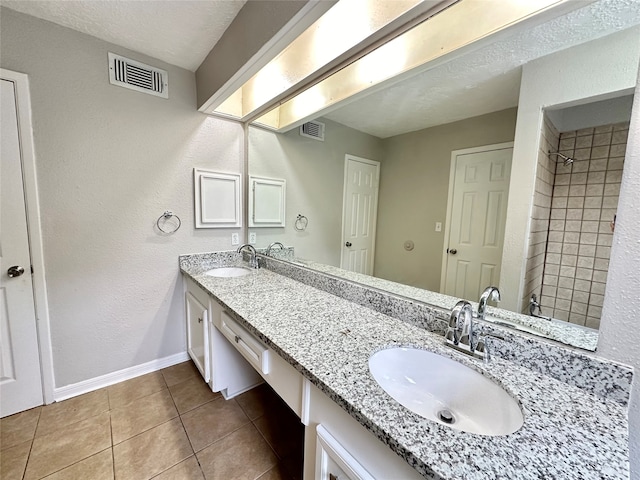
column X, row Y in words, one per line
column 313, row 130
column 137, row 76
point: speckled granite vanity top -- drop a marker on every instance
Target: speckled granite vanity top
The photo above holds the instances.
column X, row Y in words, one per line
column 568, row 432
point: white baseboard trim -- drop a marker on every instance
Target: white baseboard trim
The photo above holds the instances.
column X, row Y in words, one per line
column 102, row 381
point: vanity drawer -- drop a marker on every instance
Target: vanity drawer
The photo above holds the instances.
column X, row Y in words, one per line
column 251, row 348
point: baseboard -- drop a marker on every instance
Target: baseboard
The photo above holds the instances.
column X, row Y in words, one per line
column 102, row 381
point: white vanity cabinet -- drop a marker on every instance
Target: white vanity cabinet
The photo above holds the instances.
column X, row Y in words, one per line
column 221, row 365
column 197, row 335
column 338, row 447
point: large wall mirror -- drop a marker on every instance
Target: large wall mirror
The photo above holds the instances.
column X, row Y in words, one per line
column 443, row 182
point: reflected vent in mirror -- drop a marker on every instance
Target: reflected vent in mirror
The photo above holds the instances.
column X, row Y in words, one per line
column 128, row 73
column 313, row 130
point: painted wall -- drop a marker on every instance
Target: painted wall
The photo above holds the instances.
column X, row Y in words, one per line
column 314, row 172
column 414, row 184
column 619, row 332
column 616, row 59
column 109, row 162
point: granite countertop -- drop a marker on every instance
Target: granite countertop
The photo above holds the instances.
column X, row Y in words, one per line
column 568, row 433
column 570, row 334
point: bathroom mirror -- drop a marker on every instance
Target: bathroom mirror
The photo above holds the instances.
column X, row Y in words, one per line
column 418, row 131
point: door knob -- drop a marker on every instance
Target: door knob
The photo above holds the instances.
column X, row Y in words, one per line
column 452, row 251
column 15, row 271
column 348, row 244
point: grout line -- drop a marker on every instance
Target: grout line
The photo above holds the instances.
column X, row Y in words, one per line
column 33, row 439
column 113, row 453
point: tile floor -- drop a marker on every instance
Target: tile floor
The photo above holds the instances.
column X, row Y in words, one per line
column 164, row 425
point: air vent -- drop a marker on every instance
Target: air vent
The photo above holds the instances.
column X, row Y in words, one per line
column 313, row 130
column 137, row 76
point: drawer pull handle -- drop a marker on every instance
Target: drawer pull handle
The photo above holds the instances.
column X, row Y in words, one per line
column 199, row 320
column 332, row 477
column 237, row 339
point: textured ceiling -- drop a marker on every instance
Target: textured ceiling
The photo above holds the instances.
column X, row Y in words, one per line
column 483, row 81
column 179, row 32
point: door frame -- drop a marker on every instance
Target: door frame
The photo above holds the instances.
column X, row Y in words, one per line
column 28, row 159
column 348, row 157
column 452, row 174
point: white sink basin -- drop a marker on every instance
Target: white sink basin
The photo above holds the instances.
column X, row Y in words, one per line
column 445, row 391
column 228, row 272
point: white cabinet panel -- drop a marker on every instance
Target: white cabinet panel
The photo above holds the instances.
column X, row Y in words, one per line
column 334, row 462
column 197, row 334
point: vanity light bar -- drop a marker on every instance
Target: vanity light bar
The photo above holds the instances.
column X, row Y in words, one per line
column 319, row 51
column 465, row 26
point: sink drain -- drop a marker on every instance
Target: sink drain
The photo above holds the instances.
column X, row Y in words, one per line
column 446, row 416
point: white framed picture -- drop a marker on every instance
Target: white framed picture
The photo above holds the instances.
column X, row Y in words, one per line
column 266, row 202
column 217, row 199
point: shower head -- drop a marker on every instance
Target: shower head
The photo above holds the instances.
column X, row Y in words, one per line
column 567, row 160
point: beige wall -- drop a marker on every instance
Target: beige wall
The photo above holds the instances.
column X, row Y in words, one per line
column 414, row 182
column 109, row 162
column 314, row 172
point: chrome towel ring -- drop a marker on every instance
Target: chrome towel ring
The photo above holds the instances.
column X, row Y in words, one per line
column 165, row 218
column 301, row 223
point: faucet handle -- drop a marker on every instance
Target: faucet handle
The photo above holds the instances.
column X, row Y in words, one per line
column 485, row 347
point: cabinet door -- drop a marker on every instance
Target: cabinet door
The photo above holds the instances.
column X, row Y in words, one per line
column 334, row 462
column 197, row 335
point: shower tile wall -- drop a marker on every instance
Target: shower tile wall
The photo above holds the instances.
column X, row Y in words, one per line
column 545, row 173
column 584, row 202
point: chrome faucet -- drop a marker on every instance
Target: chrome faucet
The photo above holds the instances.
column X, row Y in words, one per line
column 268, row 252
column 253, row 260
column 460, row 333
column 533, row 306
column 490, row 293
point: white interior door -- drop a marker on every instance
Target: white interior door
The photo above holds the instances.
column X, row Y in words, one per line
column 359, row 212
column 478, row 210
column 20, row 376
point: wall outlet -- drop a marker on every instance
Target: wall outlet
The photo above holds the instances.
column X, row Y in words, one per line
column 235, row 239
column 438, row 226
column 252, row 238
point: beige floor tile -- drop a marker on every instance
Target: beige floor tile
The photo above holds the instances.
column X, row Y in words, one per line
column 179, row 373
column 282, row 430
column 187, row 470
column 68, row 445
column 19, row 428
column 191, row 394
column 13, row 460
column 241, row 455
column 60, row 414
column 142, row 414
column 126, row 392
column 258, row 401
column 151, row 452
column 96, row 467
column 212, row 421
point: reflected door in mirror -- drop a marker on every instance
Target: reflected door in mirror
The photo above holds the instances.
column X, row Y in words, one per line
column 478, row 214
column 360, row 206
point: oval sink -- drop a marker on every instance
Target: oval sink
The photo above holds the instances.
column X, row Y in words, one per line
column 228, row 272
column 445, row 391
